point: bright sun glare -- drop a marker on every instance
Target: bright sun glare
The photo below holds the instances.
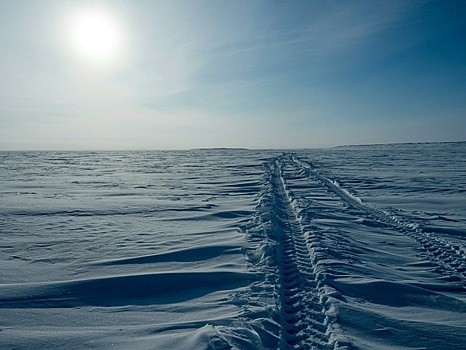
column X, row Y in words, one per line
column 96, row 35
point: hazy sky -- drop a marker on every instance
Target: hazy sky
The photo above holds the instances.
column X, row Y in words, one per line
column 236, row 73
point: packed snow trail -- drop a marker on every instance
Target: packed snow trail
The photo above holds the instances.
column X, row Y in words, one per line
column 343, row 266
column 306, row 311
column 304, row 319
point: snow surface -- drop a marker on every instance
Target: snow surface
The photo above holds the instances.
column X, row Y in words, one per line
column 360, row 247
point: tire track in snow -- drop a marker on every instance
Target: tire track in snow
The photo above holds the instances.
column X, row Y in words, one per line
column 307, row 313
column 308, row 310
column 449, row 256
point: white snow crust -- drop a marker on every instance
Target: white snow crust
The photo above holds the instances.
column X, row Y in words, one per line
column 357, row 247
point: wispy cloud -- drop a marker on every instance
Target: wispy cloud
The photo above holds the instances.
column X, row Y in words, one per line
column 317, row 34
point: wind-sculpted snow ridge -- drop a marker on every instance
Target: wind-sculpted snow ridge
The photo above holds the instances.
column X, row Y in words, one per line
column 449, row 256
column 131, row 250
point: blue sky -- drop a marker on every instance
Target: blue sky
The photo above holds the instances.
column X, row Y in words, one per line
column 243, row 73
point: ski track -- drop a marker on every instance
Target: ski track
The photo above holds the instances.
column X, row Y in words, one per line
column 305, row 298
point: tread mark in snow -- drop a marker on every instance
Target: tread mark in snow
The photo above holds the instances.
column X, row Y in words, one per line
column 308, row 311
column 306, row 316
column 451, row 258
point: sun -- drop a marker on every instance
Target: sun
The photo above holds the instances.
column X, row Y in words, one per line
column 95, row 34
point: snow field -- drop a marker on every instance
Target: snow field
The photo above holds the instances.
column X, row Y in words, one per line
column 233, row 249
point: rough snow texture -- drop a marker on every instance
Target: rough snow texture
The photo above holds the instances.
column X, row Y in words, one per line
column 357, row 247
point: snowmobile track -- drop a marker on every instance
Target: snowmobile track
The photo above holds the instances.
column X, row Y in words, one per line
column 305, row 317
column 449, row 257
column 295, row 194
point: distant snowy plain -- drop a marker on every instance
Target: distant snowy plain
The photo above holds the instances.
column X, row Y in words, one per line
column 360, row 247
